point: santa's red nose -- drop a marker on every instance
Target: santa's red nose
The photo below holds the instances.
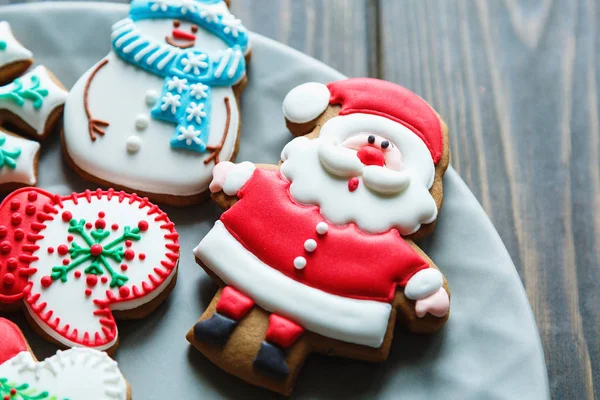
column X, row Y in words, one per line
column 179, row 34
column 369, row 155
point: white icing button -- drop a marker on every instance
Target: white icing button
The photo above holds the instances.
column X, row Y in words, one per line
column 322, row 228
column 151, row 98
column 310, row 245
column 141, row 121
column 133, row 144
column 299, row 262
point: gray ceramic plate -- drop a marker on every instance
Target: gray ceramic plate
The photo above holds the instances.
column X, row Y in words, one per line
column 490, row 348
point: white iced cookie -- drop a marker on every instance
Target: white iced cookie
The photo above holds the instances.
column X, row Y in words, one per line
column 18, row 161
column 76, row 374
column 161, row 109
column 14, row 58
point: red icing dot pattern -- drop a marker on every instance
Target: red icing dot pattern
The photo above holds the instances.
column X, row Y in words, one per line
column 19, row 234
column 104, row 279
column 124, row 267
column 30, row 209
column 16, row 219
column 128, row 243
column 14, row 205
column 32, row 196
column 142, row 256
column 143, row 225
column 12, row 263
column 46, row 281
column 3, row 231
column 100, row 224
column 91, row 280
column 129, row 254
column 50, row 250
column 88, row 292
column 9, row 279
column 96, row 250
column 67, row 216
column 77, row 274
column 124, row 291
column 62, row 249
column 5, row 247
column 66, row 261
column 89, row 225
column 114, row 227
column 70, row 238
column 101, row 214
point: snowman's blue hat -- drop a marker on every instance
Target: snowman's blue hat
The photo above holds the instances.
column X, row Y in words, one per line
column 211, row 15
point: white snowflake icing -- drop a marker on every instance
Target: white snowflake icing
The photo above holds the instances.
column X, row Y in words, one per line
column 171, row 100
column 210, row 15
column 178, row 84
column 188, row 5
column 233, row 26
column 161, row 5
column 194, row 62
column 195, row 111
column 198, row 91
column 189, row 134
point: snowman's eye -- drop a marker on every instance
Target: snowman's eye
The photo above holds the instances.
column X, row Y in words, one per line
column 194, row 28
column 176, row 23
column 371, row 139
column 385, row 144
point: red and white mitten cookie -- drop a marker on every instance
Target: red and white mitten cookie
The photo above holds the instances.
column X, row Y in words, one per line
column 75, row 374
column 81, row 260
column 316, row 254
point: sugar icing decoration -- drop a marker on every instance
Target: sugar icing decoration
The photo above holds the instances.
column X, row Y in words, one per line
column 33, row 98
column 57, row 377
column 321, row 237
column 11, row 50
column 17, row 159
column 189, row 74
column 74, row 259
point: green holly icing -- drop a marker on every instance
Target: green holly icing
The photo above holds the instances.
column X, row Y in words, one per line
column 8, row 157
column 3, row 45
column 13, row 391
column 19, row 93
column 94, row 252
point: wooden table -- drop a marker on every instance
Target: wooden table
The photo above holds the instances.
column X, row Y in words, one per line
column 517, row 83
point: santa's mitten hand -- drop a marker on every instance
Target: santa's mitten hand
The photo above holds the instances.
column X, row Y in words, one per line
column 438, row 304
column 425, row 287
column 230, row 177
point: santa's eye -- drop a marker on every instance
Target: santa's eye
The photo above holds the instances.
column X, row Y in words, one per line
column 385, row 144
column 176, row 23
column 194, row 29
column 371, row 139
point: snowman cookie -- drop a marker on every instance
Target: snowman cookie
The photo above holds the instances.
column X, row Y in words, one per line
column 157, row 113
column 76, row 374
column 79, row 262
column 317, row 254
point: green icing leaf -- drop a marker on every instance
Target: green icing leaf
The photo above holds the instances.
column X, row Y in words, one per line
column 8, row 157
column 19, row 93
column 23, row 391
column 2, row 45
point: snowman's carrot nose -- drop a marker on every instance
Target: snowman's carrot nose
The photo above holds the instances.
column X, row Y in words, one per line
column 179, row 34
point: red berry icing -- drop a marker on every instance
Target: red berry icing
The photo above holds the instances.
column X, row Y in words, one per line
column 66, row 261
column 70, row 238
column 129, row 254
column 62, row 249
column 100, row 224
column 14, row 205
column 143, row 225
column 101, row 214
column 124, row 267
column 91, row 280
column 88, row 292
column 32, row 196
column 67, row 216
column 16, row 219
column 142, row 256
column 30, row 209
column 89, row 225
column 124, row 291
column 12, row 263
column 9, row 279
column 19, row 234
column 46, row 281
column 104, row 279
column 96, row 250
column 128, row 243
column 5, row 247
column 114, row 227
column 50, row 250
column 77, row 274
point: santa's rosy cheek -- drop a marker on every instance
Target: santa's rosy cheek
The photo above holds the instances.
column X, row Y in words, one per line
column 393, row 158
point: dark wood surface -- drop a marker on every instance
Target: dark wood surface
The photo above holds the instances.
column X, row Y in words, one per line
column 517, row 83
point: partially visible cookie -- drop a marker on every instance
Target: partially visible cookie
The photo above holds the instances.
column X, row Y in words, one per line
column 14, row 58
column 78, row 262
column 18, row 161
column 76, row 374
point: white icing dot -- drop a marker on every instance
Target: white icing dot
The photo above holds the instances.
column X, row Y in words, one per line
column 322, row 228
column 310, row 245
column 151, row 98
column 133, row 144
column 141, row 121
column 299, row 262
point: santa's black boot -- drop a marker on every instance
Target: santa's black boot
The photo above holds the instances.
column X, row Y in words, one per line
column 271, row 358
column 215, row 330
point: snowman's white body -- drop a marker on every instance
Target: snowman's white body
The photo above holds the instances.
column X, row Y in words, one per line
column 123, row 95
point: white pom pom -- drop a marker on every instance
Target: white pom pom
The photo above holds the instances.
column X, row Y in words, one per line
column 306, row 102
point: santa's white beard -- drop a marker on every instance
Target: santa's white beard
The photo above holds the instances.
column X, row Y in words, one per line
column 370, row 211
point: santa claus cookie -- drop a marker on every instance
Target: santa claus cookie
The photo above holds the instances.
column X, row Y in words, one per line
column 157, row 113
column 78, row 262
column 76, row 374
column 316, row 254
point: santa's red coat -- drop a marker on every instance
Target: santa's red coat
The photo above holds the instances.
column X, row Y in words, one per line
column 346, row 262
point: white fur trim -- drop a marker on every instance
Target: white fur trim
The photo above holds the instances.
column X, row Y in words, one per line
column 362, row 322
column 423, row 284
column 306, row 102
column 237, row 177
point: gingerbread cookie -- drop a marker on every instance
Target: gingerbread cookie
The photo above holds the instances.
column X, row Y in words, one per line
column 76, row 374
column 316, row 254
column 162, row 108
column 80, row 261
column 14, row 58
column 18, row 161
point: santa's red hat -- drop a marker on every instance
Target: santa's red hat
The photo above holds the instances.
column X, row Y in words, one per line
column 368, row 96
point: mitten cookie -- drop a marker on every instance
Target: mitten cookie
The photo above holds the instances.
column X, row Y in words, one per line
column 316, row 254
column 78, row 262
column 162, row 107
column 14, row 58
column 76, row 374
